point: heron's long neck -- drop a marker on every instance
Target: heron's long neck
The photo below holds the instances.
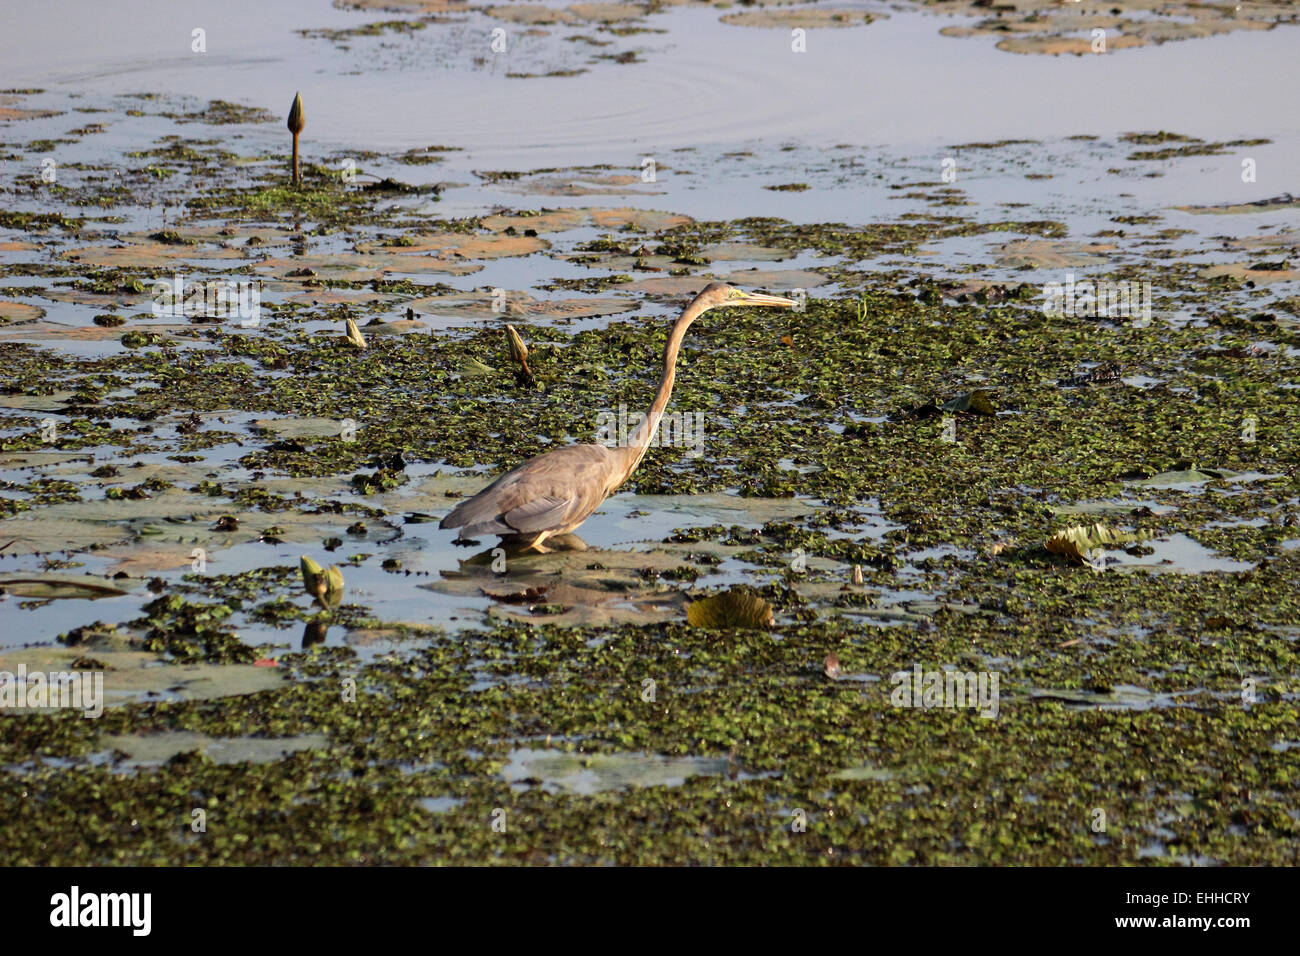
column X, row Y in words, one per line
column 640, row 439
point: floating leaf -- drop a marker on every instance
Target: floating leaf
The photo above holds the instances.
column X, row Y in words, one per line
column 50, row 586
column 863, row 773
column 1188, row 476
column 976, row 403
column 1078, row 541
column 734, row 608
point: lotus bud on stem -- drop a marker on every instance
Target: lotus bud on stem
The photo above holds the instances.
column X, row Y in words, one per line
column 296, row 124
column 519, row 355
column 354, row 335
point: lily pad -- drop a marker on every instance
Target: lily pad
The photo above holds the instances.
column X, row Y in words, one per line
column 804, row 18
column 563, row 220
column 300, row 427
column 1079, row 541
column 976, row 402
column 11, row 311
column 1052, row 254
column 467, row 246
column 594, row 773
column 736, row 608
column 50, row 586
column 151, row 750
column 863, row 773
column 521, row 305
column 131, row 675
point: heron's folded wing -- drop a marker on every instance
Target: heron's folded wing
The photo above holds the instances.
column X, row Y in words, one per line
column 543, row 494
column 540, row 514
column 478, row 515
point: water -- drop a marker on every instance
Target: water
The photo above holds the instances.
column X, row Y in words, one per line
column 896, row 81
column 726, row 111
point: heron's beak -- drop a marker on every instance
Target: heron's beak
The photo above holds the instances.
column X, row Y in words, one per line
column 771, row 301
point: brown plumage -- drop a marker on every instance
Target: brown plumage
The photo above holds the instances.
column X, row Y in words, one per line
column 555, row 492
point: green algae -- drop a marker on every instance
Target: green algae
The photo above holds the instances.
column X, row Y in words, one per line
column 877, row 784
column 1018, row 789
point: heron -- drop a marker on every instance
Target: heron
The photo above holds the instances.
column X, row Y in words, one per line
column 554, row 493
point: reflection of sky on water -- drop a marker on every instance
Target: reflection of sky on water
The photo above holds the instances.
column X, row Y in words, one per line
column 894, row 82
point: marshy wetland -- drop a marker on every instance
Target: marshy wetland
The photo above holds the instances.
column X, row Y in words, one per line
column 926, row 466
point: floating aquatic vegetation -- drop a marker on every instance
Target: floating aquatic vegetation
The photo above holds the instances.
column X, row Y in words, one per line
column 800, row 18
column 1081, row 541
column 11, row 311
column 596, row 773
column 48, row 586
column 736, row 608
column 1285, row 201
column 1105, row 374
column 1030, row 27
column 976, row 402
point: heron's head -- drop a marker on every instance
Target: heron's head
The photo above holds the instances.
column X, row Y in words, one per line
column 719, row 295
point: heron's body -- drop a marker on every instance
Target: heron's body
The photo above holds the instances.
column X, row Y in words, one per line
column 547, row 495
column 554, row 493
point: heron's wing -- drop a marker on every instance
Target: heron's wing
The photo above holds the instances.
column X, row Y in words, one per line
column 540, row 514
column 546, row 493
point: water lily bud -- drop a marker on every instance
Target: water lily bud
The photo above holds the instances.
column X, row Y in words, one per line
column 333, row 586
column 518, row 350
column 296, row 121
column 311, row 574
column 354, row 335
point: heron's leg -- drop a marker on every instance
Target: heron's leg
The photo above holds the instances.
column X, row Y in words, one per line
column 535, row 543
